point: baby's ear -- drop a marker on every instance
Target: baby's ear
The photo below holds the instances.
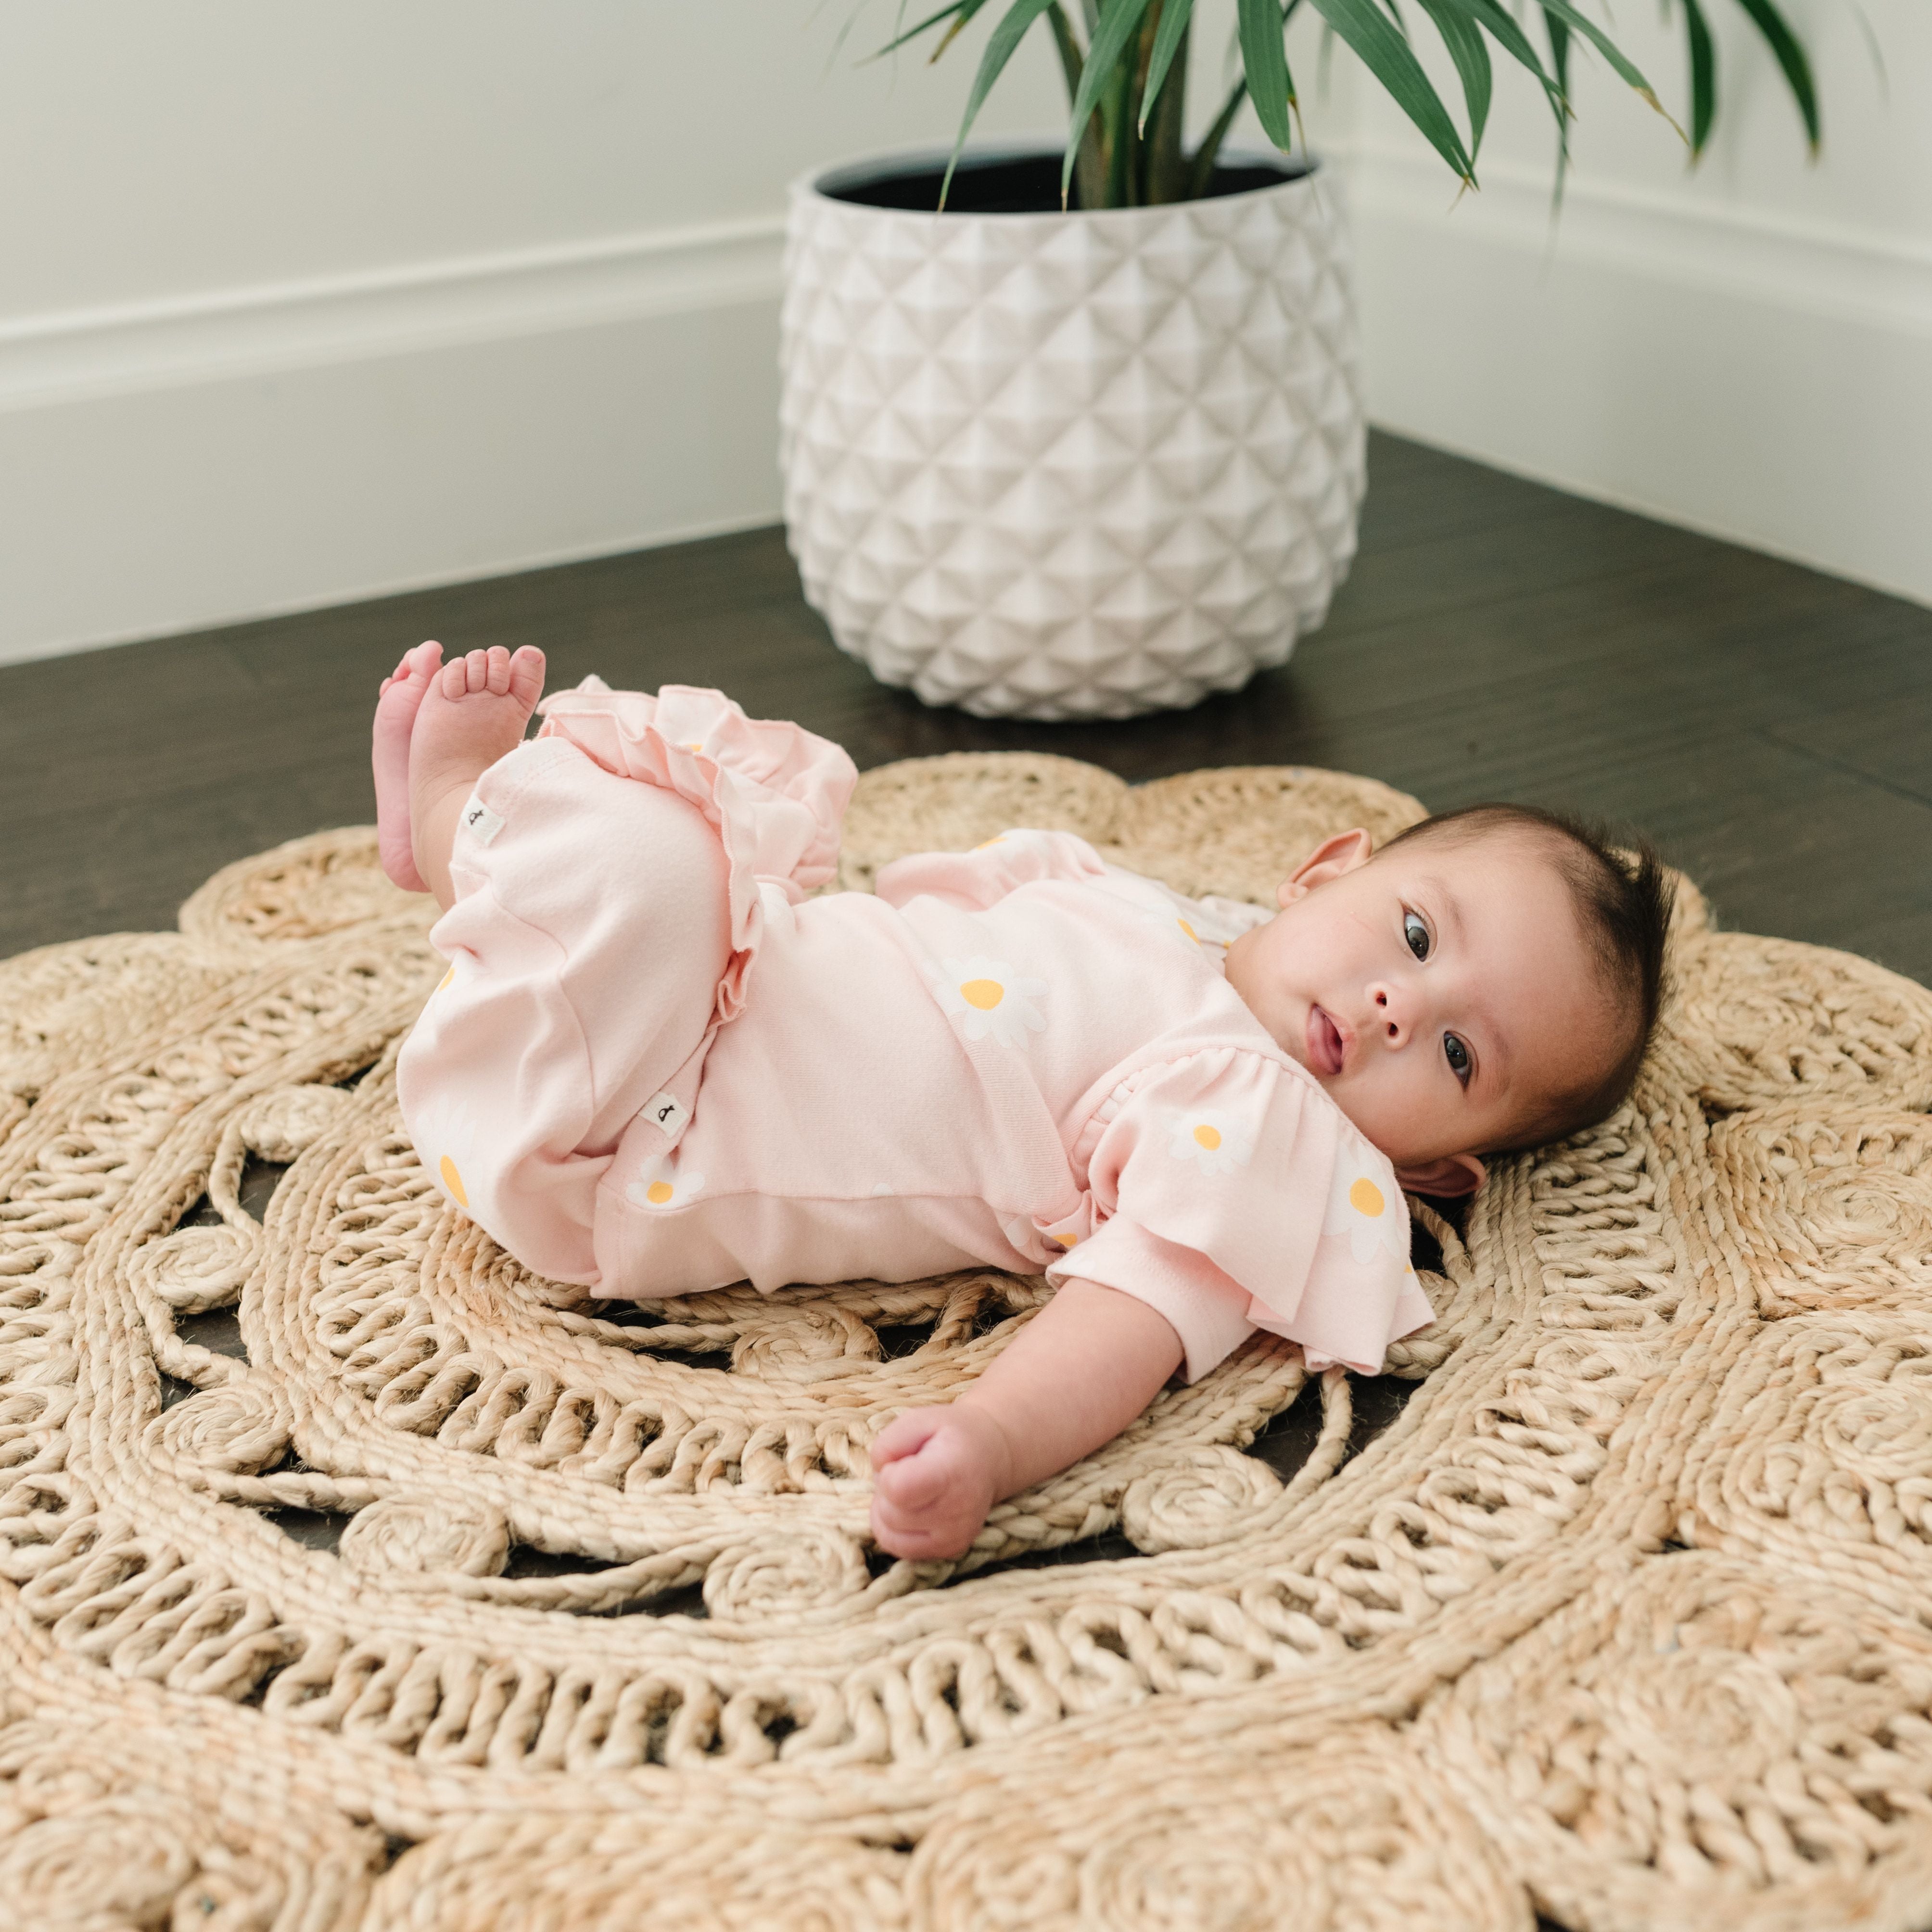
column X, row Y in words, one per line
column 1447, row 1179
column 1329, row 860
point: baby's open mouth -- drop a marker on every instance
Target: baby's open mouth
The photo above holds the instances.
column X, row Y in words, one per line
column 1325, row 1044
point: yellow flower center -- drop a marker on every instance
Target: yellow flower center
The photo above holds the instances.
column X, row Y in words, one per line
column 984, row 994
column 657, row 1193
column 453, row 1181
column 1365, row 1198
column 1207, row 1137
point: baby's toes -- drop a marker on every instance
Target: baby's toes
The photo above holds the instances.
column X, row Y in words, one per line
column 527, row 674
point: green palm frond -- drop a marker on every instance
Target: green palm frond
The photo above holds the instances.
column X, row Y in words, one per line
column 1470, row 53
column 1703, row 76
column 1006, row 37
column 1264, row 65
column 1792, row 58
column 1379, row 43
column 1126, row 80
column 1169, row 39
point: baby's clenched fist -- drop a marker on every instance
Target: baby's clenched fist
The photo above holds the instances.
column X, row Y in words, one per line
column 935, row 1474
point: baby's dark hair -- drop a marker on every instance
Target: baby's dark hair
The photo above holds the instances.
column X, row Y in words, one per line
column 1623, row 896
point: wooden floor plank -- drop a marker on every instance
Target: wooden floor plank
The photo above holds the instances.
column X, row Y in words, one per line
column 1767, row 725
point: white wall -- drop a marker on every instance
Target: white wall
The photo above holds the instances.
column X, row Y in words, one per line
column 299, row 303
column 1746, row 349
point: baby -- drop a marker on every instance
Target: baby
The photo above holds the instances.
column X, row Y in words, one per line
column 656, row 1065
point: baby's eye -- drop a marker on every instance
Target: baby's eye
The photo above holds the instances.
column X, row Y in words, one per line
column 1457, row 1054
column 1417, row 934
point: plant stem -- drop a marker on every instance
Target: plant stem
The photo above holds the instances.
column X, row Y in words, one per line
column 1123, row 136
column 1166, row 164
column 1139, row 57
column 1090, row 163
column 1201, row 173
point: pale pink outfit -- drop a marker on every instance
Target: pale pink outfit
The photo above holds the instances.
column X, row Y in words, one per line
column 657, row 1067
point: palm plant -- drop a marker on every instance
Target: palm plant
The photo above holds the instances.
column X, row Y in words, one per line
column 1126, row 82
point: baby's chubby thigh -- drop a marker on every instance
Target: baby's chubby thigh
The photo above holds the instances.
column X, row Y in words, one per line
column 586, row 940
column 635, row 889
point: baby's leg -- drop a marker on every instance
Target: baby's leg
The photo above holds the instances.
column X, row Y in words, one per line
column 474, row 711
column 1076, row 1375
column 396, row 707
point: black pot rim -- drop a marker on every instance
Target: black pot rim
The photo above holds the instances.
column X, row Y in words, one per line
column 824, row 182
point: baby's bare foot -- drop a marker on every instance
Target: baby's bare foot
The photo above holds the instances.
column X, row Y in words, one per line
column 396, row 707
column 474, row 711
column 935, row 1474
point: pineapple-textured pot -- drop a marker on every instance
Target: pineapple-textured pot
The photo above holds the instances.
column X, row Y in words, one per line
column 1054, row 465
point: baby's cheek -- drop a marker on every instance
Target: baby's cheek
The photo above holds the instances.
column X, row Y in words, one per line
column 1394, row 1110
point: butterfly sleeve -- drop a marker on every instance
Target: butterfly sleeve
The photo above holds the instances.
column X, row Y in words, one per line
column 1228, row 1185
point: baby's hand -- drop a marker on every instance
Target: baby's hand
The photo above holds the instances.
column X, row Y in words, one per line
column 936, row 1472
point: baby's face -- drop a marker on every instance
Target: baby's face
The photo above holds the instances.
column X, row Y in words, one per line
column 1441, row 993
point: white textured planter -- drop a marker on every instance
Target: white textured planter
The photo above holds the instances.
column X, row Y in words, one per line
column 1070, row 465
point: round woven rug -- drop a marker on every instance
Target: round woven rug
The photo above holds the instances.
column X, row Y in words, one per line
column 351, row 1577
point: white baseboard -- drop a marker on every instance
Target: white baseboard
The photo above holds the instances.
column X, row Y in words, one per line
column 1766, row 382
column 185, row 464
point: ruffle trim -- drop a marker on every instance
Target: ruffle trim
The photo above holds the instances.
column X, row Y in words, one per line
column 1242, row 1159
column 1329, row 1330
column 776, row 794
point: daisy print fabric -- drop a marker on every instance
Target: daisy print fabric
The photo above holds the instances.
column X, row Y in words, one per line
column 1366, row 1210
column 663, row 1184
column 1214, row 1140
column 986, row 999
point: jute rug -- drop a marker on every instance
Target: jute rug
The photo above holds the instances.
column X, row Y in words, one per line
column 428, row 1599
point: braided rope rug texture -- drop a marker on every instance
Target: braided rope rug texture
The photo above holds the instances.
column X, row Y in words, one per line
column 1624, row 1620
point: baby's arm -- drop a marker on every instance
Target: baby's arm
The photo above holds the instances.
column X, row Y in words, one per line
column 1073, row 1378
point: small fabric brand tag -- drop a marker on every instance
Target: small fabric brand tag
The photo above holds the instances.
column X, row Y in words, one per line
column 668, row 1113
column 481, row 824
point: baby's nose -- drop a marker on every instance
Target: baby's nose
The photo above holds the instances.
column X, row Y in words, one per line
column 1390, row 1019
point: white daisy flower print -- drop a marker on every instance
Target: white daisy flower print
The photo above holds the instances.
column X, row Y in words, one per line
column 662, row 1184
column 1069, row 1230
column 1216, row 1142
column 1187, row 935
column 987, row 1001
column 1368, row 1210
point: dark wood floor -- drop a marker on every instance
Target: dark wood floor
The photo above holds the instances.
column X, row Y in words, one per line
column 1770, row 727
